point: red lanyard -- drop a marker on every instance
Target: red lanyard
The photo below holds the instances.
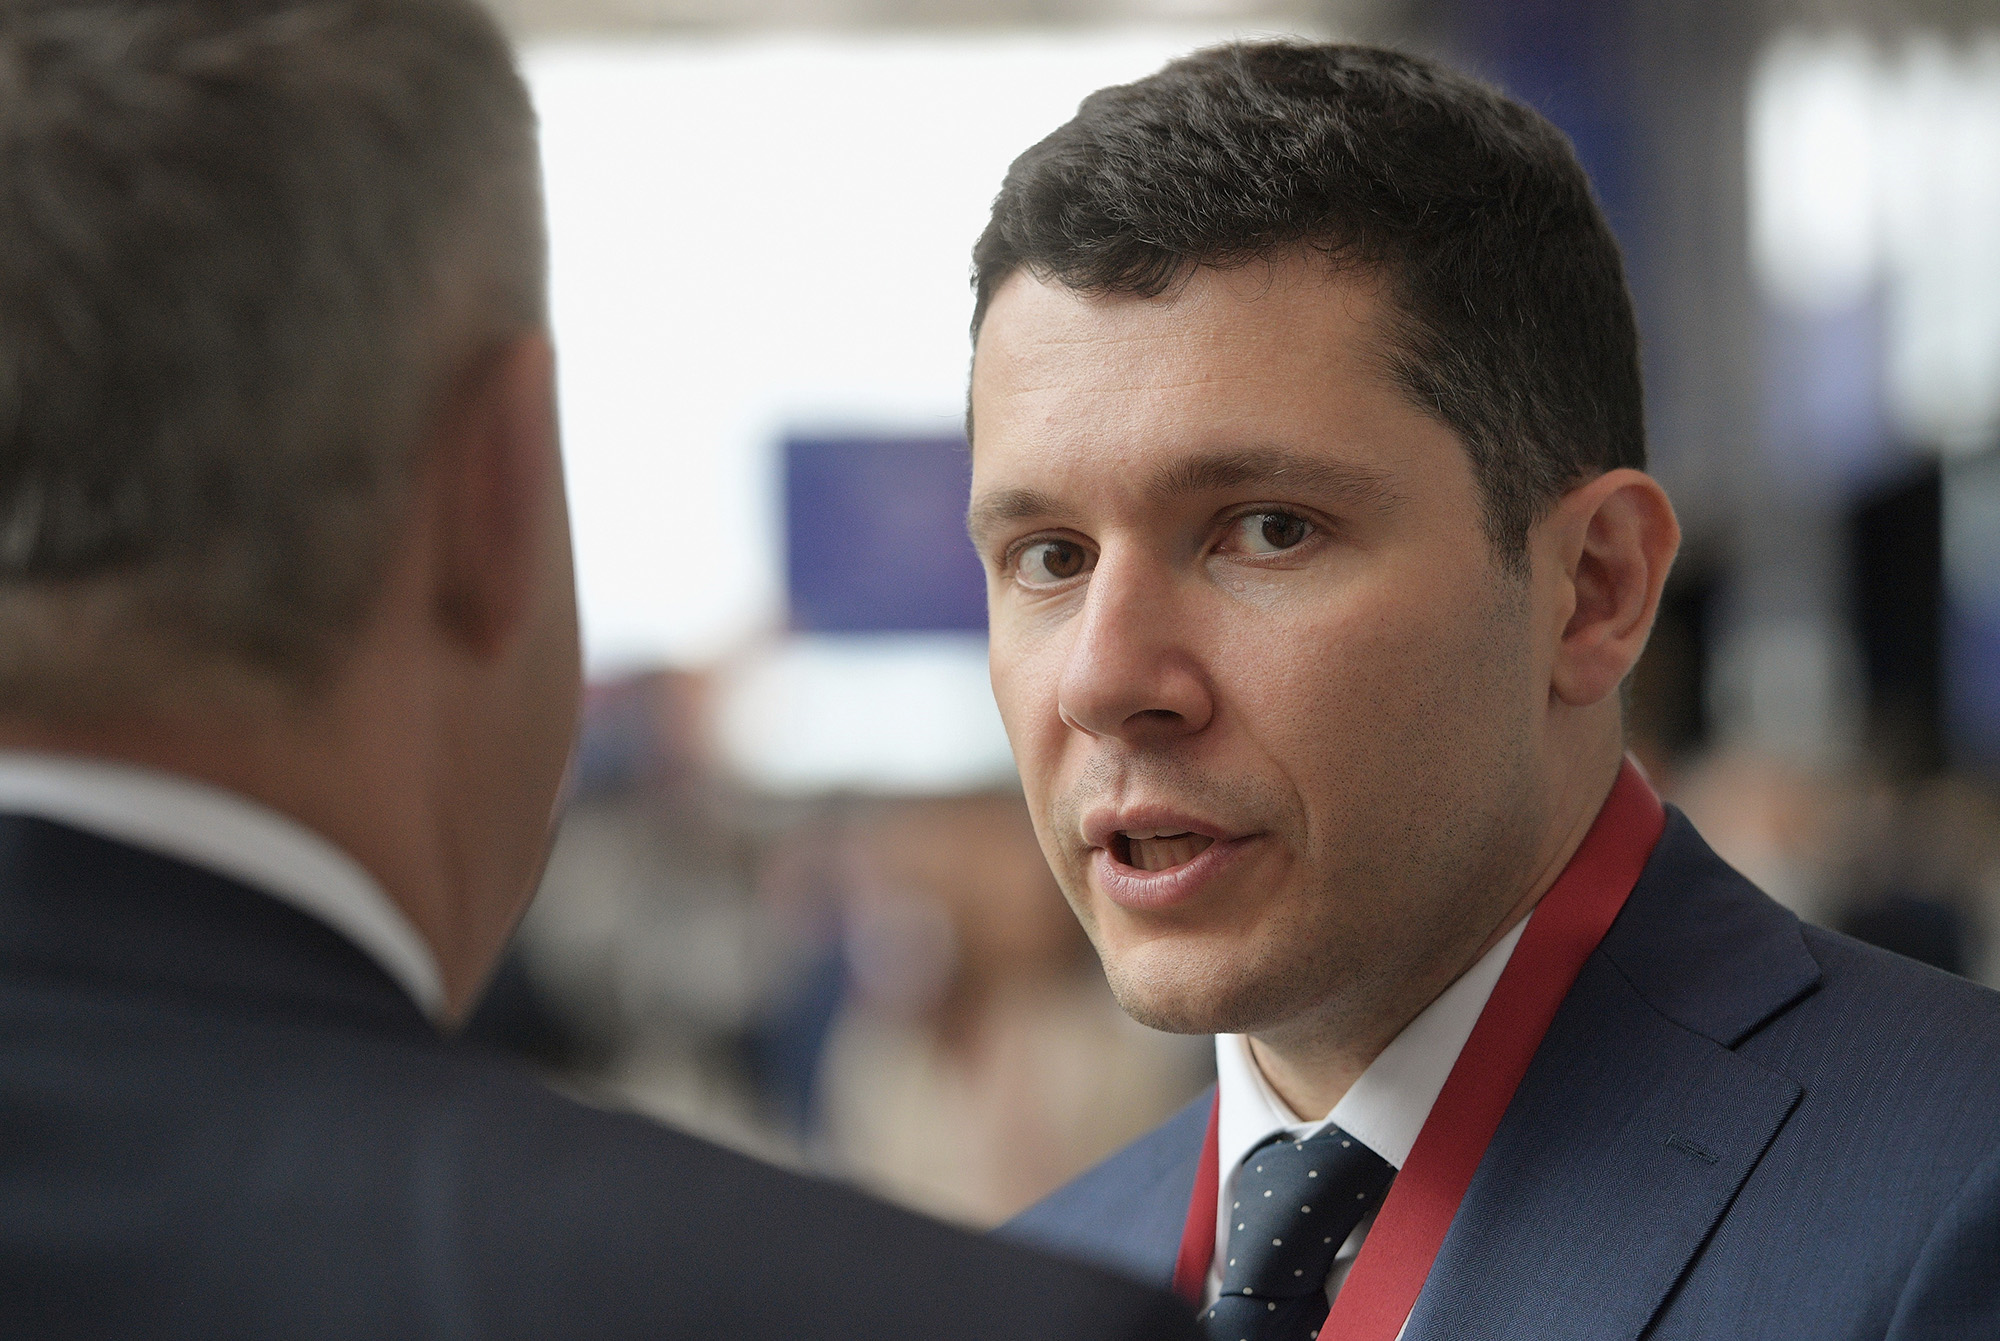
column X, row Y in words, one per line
column 1570, row 920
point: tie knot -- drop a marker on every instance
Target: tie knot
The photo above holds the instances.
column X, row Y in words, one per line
column 1294, row 1204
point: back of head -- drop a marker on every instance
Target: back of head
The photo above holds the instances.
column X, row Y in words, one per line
column 1512, row 321
column 243, row 243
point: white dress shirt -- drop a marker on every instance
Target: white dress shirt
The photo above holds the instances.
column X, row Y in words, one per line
column 1385, row 1108
column 232, row 836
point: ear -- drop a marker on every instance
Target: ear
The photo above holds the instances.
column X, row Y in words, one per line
column 1610, row 543
column 495, row 467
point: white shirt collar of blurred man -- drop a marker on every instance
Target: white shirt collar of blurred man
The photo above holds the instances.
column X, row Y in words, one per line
column 233, row 836
column 1385, row 1108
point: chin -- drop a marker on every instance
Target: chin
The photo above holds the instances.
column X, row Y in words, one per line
column 1180, row 985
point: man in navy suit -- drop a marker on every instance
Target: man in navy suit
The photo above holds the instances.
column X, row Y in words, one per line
column 288, row 673
column 1308, row 473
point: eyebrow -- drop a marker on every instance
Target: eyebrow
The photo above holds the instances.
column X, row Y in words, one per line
column 1344, row 483
column 1009, row 505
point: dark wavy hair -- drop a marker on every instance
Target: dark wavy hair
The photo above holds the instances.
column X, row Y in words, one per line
column 1512, row 322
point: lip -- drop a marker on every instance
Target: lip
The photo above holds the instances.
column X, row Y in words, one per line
column 1103, row 825
column 1156, row 891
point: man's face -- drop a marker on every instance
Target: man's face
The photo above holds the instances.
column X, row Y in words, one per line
column 1273, row 699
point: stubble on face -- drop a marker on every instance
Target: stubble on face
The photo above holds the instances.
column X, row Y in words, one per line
column 1396, row 835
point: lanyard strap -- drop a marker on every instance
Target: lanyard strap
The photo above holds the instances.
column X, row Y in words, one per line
column 1569, row 921
column 1198, row 1235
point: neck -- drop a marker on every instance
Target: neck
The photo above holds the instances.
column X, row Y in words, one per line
column 1311, row 1065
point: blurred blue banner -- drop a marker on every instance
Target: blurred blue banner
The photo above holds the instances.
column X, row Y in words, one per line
column 875, row 536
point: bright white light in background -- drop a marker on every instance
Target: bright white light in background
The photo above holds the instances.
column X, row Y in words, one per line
column 750, row 236
column 1812, row 170
column 1942, row 192
column 1879, row 173
column 912, row 714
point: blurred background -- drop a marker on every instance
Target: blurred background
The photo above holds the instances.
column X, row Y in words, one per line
column 797, row 904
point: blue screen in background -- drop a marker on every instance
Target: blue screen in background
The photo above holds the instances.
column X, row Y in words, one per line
column 875, row 536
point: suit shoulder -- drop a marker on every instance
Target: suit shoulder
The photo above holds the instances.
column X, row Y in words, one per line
column 1851, row 963
column 1882, row 991
column 1893, row 1053
column 1127, row 1212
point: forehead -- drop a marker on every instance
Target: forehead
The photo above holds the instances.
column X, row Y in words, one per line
column 1285, row 354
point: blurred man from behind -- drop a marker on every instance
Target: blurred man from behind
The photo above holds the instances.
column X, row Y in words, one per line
column 288, row 671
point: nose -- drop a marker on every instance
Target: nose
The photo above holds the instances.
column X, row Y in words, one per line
column 1131, row 673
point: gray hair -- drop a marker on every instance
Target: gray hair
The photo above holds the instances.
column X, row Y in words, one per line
column 243, row 244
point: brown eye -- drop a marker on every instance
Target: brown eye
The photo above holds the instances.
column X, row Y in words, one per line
column 1051, row 561
column 1270, row 532
column 1282, row 530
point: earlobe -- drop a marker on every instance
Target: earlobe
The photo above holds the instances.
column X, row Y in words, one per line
column 492, row 455
column 1620, row 538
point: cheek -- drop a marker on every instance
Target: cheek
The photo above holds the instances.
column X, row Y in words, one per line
column 1380, row 698
column 1343, row 661
column 1026, row 677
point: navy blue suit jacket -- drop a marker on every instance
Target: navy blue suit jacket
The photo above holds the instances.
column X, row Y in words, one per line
column 219, row 1119
column 1736, row 1126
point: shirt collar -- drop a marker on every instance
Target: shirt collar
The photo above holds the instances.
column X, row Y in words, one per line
column 1386, row 1106
column 233, row 836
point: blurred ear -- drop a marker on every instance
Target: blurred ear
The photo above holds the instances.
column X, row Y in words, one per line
column 1610, row 543
column 495, row 466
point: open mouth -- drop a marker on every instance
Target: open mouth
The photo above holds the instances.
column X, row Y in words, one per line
column 1158, row 850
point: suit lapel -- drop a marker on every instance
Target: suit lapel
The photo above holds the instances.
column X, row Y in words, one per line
column 1636, row 1124
column 1628, row 1138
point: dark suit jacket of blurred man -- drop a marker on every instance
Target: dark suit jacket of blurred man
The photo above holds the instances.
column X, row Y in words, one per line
column 1737, row 1126
column 220, row 1118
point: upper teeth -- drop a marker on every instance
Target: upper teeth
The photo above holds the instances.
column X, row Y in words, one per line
column 1136, row 835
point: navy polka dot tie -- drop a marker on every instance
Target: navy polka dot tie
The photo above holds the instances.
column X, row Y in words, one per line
column 1295, row 1203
